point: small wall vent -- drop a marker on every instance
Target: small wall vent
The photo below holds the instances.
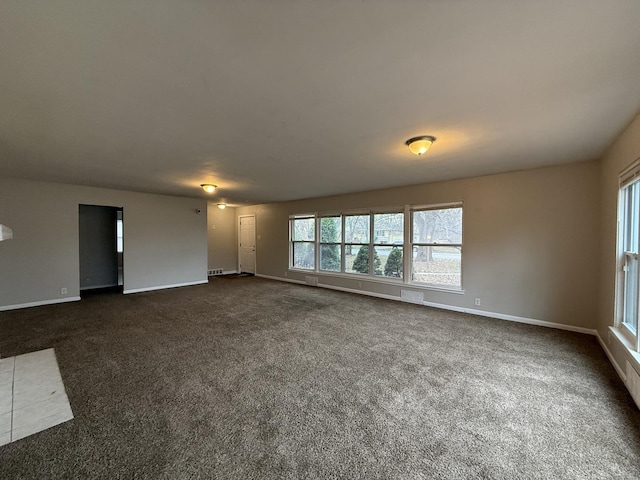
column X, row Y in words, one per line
column 215, row 271
column 412, row 296
column 313, row 281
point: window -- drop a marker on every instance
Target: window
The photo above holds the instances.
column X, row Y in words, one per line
column 388, row 244
column 628, row 247
column 330, row 241
column 303, row 242
column 437, row 246
column 376, row 244
column 119, row 236
column 356, row 243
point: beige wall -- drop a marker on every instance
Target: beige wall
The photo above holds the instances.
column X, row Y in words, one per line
column 624, row 151
column 530, row 241
column 222, row 238
column 165, row 241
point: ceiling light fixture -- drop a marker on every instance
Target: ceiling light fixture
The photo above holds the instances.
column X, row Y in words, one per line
column 209, row 187
column 421, row 144
column 5, row 233
column 222, row 206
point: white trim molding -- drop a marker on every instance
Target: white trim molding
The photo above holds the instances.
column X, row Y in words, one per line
column 96, row 287
column 529, row 321
column 627, row 347
column 372, row 279
column 280, row 279
column 38, row 303
column 163, row 287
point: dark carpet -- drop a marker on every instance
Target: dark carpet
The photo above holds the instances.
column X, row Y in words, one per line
column 250, row 378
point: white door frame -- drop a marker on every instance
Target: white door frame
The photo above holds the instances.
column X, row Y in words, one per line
column 255, row 257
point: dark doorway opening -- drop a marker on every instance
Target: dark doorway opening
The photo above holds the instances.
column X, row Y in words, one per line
column 101, row 231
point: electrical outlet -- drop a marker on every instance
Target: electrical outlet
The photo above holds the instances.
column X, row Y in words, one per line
column 477, row 302
column 359, row 284
column 63, row 291
column 286, row 274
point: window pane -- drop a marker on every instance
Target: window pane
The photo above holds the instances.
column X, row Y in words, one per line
column 356, row 229
column 356, row 259
column 330, row 230
column 630, row 316
column 303, row 255
column 437, row 265
column 631, row 217
column 303, row 229
column 119, row 236
column 438, row 226
column 330, row 257
column 390, row 261
column 388, row 228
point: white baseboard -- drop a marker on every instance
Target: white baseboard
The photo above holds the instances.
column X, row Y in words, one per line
column 611, row 358
column 95, row 287
column 360, row 292
column 280, row 279
column 334, row 287
column 163, row 287
column 484, row 313
column 39, row 303
column 529, row 321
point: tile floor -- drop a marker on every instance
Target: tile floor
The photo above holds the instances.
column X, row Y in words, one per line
column 32, row 396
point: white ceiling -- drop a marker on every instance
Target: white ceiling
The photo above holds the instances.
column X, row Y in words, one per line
column 278, row 100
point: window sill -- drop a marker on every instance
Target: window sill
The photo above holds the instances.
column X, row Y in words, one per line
column 383, row 280
column 424, row 286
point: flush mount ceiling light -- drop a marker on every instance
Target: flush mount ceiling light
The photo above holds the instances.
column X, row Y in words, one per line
column 209, row 187
column 222, row 206
column 5, row 233
column 421, row 144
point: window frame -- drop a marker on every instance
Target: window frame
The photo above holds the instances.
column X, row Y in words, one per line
column 358, row 245
column 407, row 245
column 292, row 241
column 339, row 243
column 629, row 178
column 373, row 244
column 414, row 244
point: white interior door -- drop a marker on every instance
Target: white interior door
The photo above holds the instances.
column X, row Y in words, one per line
column 247, row 247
